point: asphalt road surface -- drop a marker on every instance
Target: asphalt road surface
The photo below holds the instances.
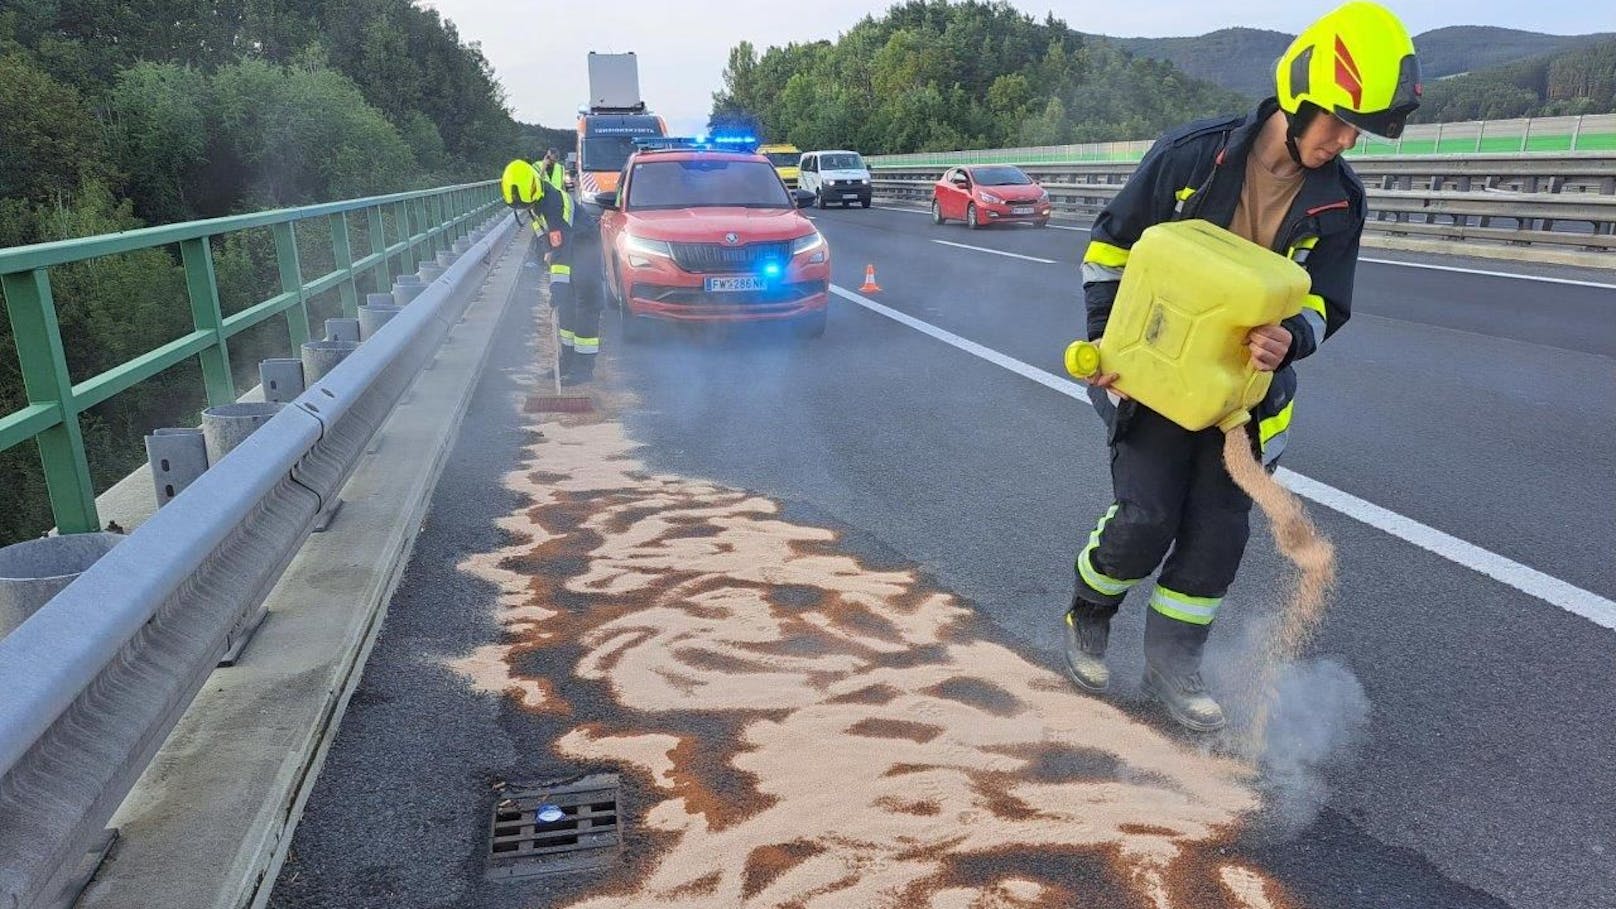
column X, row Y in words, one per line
column 762, row 555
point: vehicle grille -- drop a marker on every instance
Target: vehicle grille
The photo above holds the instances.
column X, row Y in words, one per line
column 714, row 257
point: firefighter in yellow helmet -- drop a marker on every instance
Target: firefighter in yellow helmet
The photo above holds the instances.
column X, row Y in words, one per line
column 1275, row 177
column 553, row 217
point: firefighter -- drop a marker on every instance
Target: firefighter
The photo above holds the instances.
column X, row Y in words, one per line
column 1276, row 178
column 550, row 168
column 553, row 216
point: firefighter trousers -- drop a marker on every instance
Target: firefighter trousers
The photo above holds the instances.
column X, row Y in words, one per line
column 1173, row 499
column 575, row 293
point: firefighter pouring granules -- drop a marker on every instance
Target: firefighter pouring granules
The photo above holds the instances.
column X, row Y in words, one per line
column 1274, row 177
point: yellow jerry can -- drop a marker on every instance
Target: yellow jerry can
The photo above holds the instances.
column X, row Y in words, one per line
column 1176, row 337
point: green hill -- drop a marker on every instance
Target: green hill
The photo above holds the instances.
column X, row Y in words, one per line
column 1242, row 59
column 1577, row 81
column 1239, row 59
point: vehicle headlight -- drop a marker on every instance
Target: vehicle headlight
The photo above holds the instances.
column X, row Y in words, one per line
column 1043, row 195
column 649, row 247
column 989, row 197
column 807, row 242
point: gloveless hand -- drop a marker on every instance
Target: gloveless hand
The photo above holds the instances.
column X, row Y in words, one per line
column 1106, row 380
column 1268, row 345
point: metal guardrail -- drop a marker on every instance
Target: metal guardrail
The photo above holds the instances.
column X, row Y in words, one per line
column 1448, row 197
column 95, row 680
column 422, row 223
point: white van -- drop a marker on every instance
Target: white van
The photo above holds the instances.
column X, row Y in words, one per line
column 835, row 176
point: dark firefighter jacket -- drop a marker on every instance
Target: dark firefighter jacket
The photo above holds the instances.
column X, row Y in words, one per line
column 1197, row 171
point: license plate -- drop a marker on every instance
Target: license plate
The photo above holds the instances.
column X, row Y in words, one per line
column 1021, row 210
column 743, row 282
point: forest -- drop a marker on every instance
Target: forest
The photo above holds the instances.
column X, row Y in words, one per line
column 117, row 114
column 929, row 75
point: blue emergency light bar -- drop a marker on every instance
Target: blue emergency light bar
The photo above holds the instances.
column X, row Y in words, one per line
column 721, row 142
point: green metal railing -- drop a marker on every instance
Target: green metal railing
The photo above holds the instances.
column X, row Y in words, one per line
column 423, row 223
column 1587, row 133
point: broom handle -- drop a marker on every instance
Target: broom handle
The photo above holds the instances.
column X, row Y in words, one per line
column 555, row 343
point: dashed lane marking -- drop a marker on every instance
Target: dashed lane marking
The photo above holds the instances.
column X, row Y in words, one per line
column 996, row 252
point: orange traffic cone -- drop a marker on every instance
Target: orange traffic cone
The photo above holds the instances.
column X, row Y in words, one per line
column 869, row 286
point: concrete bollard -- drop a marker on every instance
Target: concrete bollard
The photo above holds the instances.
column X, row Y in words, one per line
column 342, row 330
column 461, row 246
column 379, row 300
column 446, row 259
column 320, row 357
column 404, row 293
column 282, row 378
column 228, row 425
column 407, row 288
column 429, row 272
column 33, row 571
column 372, row 318
column 176, row 457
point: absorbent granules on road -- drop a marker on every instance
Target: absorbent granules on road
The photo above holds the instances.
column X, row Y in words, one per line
column 803, row 728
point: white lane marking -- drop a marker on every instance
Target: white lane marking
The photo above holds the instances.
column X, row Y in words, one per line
column 1490, row 274
column 996, row 252
column 1068, row 227
column 1530, row 581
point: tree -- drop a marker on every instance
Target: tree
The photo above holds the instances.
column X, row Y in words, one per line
column 47, row 132
column 936, row 75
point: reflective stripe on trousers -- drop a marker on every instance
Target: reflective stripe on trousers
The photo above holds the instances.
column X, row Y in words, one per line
column 1183, row 607
column 1096, row 579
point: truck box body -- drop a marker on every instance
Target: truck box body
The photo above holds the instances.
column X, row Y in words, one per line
column 614, row 82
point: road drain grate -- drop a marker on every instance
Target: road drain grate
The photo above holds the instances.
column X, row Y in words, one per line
column 571, row 825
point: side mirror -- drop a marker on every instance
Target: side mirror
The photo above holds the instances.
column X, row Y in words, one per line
column 803, row 197
column 606, row 200
column 961, row 182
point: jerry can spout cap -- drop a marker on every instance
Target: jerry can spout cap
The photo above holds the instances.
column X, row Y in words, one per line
column 1082, row 359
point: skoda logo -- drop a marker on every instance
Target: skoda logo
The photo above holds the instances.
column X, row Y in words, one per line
column 731, row 239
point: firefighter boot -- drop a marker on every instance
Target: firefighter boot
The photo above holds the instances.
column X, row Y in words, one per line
column 582, row 371
column 1173, row 672
column 1088, row 628
column 568, row 358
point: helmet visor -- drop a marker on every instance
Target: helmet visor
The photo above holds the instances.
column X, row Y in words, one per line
column 1389, row 122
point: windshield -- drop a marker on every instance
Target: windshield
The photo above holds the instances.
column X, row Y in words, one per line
column 607, row 152
column 846, row 161
column 1000, row 176
column 783, row 159
column 706, row 184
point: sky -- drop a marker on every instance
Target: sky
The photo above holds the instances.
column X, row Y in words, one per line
column 682, row 45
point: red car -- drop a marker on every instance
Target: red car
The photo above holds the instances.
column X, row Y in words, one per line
column 702, row 235
column 983, row 194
